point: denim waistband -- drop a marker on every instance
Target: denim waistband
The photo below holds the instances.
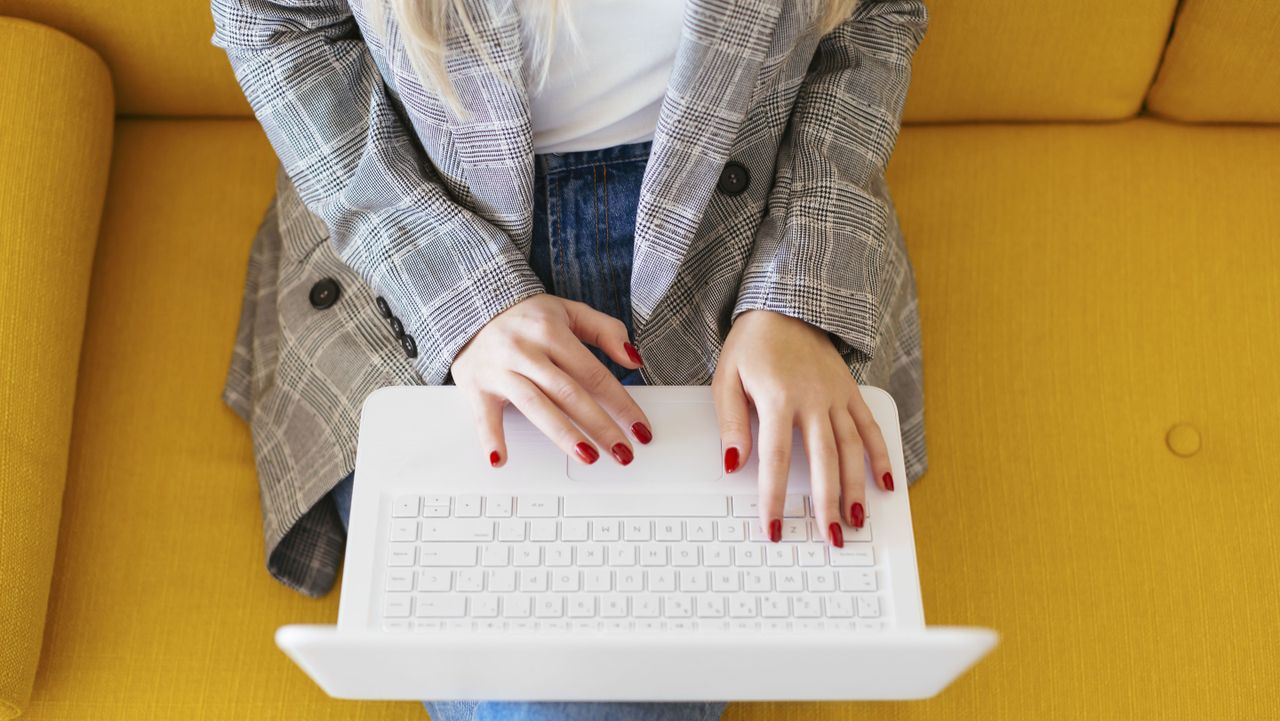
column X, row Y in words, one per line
column 553, row 162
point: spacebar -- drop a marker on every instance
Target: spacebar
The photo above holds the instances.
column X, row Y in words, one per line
column 597, row 506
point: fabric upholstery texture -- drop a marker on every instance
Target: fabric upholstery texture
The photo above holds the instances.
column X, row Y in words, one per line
column 159, row 53
column 1084, row 288
column 55, row 140
column 1099, row 304
column 1221, row 64
column 1017, row 60
column 1089, row 59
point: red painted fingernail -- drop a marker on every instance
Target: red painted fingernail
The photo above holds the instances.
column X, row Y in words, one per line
column 775, row 530
column 730, row 459
column 641, row 432
column 632, row 353
column 888, row 481
column 495, row 458
column 587, row 452
column 837, row 535
column 857, row 515
column 622, row 453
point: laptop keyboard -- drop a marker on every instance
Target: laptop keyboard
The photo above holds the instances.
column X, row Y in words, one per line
column 694, row 563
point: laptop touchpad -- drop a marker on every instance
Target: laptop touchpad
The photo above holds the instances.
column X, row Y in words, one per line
column 685, row 448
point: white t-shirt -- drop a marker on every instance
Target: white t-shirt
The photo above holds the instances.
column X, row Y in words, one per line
column 607, row 89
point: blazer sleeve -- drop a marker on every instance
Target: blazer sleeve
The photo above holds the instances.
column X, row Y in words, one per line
column 321, row 100
column 819, row 253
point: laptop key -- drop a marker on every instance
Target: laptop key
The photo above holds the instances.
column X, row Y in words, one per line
column 449, row 529
column 406, row 506
column 538, row 506
column 404, row 529
column 401, row 554
column 446, row 554
column 510, row 530
column 812, row 554
column 469, row 579
column 441, row 606
column 853, row 556
column 860, row 580
column 435, row 580
column 868, row 606
column 483, row 605
column 516, row 605
column 399, row 580
column 467, row 506
column 397, row 606
column 542, row 530
column 839, row 606
column 498, row 506
column 502, row 580
column 548, row 606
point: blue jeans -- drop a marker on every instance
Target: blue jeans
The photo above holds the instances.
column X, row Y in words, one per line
column 584, row 217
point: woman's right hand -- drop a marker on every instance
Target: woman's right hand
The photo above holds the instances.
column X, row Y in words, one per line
column 532, row 355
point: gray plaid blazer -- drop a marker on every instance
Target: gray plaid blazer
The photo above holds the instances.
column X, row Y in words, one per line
column 387, row 193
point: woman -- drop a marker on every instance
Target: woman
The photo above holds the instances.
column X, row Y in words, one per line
column 473, row 192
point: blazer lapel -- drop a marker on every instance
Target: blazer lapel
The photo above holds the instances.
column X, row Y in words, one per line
column 721, row 49
column 493, row 139
column 722, row 46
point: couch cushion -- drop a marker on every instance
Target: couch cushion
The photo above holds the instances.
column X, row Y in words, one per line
column 1083, row 290
column 1017, row 60
column 987, row 59
column 159, row 54
column 55, row 143
column 1223, row 63
column 162, row 607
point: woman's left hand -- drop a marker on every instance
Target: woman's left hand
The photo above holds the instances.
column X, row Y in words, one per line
column 793, row 375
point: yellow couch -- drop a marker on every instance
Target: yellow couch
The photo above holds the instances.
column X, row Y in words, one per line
column 1097, row 255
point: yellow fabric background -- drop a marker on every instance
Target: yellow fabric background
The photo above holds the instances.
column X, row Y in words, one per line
column 159, row 52
column 1018, row 60
column 1223, row 63
column 989, row 60
column 1099, row 305
column 55, row 140
column 1083, row 289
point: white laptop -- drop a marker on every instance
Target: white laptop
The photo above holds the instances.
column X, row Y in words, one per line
column 550, row 580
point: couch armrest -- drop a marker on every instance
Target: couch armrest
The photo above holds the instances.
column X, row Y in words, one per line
column 56, row 111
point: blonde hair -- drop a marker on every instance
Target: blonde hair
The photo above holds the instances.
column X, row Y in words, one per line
column 424, row 30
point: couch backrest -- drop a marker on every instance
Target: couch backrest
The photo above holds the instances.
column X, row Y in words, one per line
column 159, row 52
column 1222, row 64
column 982, row 59
column 1037, row 59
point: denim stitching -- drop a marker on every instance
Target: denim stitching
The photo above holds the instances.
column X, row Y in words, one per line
column 612, row 161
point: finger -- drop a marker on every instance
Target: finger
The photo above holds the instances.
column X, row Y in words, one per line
column 775, row 459
column 585, row 368
column 853, row 468
column 577, row 403
column 824, row 474
column 488, row 412
column 873, row 440
column 604, row 332
column 734, row 412
column 547, row 417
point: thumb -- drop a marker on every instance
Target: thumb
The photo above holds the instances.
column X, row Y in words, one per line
column 604, row 332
